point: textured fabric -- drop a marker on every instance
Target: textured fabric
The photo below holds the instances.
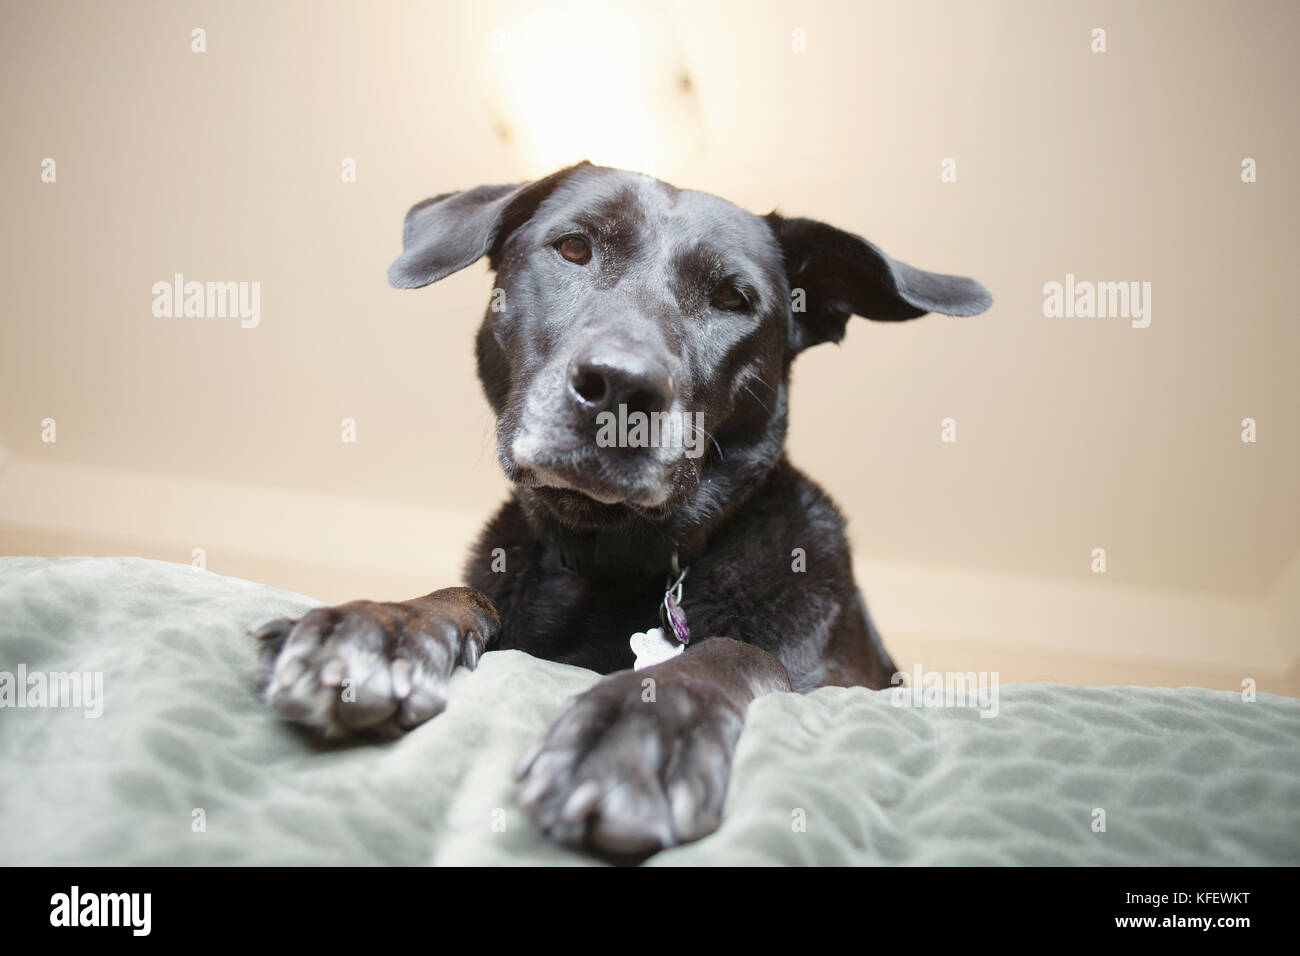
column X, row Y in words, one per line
column 1184, row 776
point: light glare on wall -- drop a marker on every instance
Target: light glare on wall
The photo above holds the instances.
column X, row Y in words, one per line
column 605, row 83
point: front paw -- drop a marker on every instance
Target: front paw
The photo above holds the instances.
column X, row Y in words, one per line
column 367, row 666
column 628, row 769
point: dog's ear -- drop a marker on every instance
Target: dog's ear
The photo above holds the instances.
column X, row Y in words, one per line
column 842, row 275
column 445, row 234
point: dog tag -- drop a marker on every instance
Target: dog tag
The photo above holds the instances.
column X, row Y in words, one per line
column 671, row 615
column 673, row 618
column 651, row 647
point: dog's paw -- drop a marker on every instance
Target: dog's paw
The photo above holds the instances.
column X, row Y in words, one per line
column 369, row 666
column 628, row 768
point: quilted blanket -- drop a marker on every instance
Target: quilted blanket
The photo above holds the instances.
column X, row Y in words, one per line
column 132, row 732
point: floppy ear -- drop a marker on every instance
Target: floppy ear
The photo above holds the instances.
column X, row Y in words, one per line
column 445, row 234
column 842, row 274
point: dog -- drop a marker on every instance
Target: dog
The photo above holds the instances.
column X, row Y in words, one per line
column 619, row 295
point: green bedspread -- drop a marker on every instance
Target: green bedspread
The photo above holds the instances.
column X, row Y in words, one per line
column 838, row 776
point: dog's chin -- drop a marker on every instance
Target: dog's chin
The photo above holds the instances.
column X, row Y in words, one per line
column 580, row 499
column 574, row 509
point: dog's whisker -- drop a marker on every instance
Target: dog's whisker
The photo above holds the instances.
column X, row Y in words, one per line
column 757, row 399
column 700, row 428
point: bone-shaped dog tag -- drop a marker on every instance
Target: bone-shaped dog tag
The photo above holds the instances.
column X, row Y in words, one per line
column 652, row 647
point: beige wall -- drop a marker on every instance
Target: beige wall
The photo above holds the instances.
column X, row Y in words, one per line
column 1073, row 434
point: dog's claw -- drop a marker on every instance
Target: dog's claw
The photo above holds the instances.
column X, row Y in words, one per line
column 683, row 806
column 526, row 762
column 473, row 650
column 581, row 801
column 533, row 792
column 271, row 629
column 332, row 674
column 291, row 671
column 401, row 672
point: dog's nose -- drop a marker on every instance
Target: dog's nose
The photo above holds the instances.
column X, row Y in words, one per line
column 604, row 377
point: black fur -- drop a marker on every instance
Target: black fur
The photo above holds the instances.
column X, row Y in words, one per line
column 689, row 304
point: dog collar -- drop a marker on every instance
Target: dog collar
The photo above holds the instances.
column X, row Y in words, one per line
column 654, row 646
column 671, row 615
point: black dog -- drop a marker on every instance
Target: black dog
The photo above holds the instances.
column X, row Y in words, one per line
column 621, row 295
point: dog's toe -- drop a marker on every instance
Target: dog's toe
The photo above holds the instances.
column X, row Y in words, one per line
column 631, row 820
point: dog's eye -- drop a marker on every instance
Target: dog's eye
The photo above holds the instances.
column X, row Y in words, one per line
column 730, row 299
column 575, row 249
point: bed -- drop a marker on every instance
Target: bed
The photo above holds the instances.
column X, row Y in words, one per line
column 185, row 765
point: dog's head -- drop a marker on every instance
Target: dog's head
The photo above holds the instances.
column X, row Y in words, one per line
column 637, row 344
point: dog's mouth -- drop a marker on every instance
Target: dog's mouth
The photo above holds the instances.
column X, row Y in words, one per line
column 580, row 500
column 587, row 491
column 566, row 482
column 584, row 484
